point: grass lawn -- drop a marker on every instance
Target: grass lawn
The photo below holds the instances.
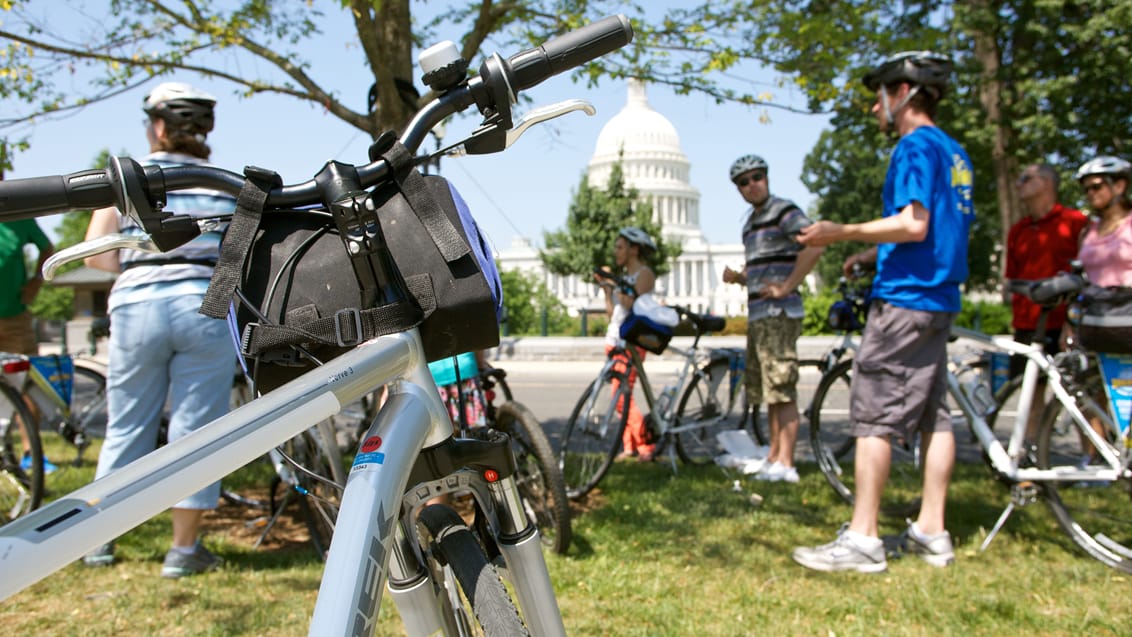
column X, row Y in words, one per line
column 653, row 554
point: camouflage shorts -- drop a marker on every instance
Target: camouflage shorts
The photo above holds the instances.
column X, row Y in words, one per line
column 772, row 360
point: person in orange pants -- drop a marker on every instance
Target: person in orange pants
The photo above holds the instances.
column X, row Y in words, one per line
column 630, row 250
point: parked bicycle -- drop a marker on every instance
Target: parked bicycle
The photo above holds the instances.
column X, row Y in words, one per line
column 441, row 572
column 1087, row 493
column 47, row 403
column 706, row 398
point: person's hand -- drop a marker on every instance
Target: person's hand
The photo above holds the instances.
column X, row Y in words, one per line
column 731, row 276
column 819, row 234
column 774, row 291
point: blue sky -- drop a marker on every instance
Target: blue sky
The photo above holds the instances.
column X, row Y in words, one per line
column 523, row 191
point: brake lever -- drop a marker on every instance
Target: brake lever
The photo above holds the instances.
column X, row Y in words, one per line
column 490, row 139
column 115, row 241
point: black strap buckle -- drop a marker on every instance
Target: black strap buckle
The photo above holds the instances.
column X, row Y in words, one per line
column 356, row 315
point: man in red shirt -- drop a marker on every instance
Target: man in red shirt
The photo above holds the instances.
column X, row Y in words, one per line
column 1039, row 246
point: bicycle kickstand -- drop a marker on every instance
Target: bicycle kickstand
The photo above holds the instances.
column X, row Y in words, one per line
column 1021, row 494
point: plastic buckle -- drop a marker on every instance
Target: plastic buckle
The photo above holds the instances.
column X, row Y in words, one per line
column 357, row 316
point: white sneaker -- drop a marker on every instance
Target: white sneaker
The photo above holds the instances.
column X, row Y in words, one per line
column 846, row 553
column 777, row 472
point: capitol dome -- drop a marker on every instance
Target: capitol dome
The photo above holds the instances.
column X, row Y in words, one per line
column 638, row 128
column 648, row 147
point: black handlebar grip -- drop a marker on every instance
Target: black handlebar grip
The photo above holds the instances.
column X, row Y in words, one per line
column 39, row 196
column 570, row 50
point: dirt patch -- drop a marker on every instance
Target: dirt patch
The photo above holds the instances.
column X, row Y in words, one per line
column 244, row 524
column 592, row 501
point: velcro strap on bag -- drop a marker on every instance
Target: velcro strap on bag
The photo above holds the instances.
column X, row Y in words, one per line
column 448, row 240
column 238, row 240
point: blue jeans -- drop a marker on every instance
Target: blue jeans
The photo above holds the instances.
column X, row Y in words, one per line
column 164, row 349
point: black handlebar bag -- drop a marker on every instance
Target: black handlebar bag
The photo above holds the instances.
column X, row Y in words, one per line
column 308, row 288
column 1105, row 323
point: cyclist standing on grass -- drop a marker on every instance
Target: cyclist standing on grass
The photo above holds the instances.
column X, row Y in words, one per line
column 899, row 374
column 160, row 346
column 630, row 250
column 775, row 266
column 1038, row 246
column 17, row 335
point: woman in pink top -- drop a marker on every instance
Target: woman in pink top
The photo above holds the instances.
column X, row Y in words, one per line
column 1106, row 248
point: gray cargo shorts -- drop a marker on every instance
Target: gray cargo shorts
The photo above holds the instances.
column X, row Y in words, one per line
column 900, row 373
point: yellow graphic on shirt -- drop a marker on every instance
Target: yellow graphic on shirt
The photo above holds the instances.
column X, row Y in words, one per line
column 962, row 180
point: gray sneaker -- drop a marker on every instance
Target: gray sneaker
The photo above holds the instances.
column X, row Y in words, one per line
column 199, row 561
column 933, row 549
column 842, row 554
column 101, row 556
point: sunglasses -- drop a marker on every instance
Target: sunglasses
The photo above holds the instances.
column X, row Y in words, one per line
column 1025, row 177
column 1093, row 187
column 743, row 181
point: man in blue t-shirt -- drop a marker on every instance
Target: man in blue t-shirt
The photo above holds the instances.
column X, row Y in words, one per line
column 900, row 373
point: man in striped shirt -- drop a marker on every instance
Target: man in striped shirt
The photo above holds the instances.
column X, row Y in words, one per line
column 775, row 266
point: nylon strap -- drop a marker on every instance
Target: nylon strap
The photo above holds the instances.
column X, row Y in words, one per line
column 448, row 240
column 345, row 329
column 238, row 240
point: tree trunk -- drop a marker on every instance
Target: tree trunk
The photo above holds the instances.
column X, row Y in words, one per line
column 990, row 91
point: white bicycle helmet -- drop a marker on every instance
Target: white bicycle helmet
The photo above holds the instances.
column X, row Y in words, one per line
column 182, row 106
column 747, row 163
column 1105, row 165
column 638, row 237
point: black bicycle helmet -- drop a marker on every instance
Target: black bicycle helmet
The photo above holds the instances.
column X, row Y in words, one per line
column 638, row 237
column 920, row 68
column 184, row 108
column 747, row 163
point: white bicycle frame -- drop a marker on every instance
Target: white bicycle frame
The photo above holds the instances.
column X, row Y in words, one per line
column 367, row 534
column 1005, row 459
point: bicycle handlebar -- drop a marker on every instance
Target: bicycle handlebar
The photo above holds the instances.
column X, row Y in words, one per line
column 140, row 191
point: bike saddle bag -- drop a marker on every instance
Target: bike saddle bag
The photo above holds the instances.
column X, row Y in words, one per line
column 304, row 297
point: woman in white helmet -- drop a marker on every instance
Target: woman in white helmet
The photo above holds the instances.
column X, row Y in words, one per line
column 632, row 247
column 161, row 348
column 1106, row 247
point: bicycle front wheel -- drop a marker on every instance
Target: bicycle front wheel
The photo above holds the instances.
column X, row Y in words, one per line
column 21, row 482
column 593, row 433
column 540, row 480
column 1096, row 514
column 319, row 480
column 707, row 408
column 481, row 591
column 834, row 447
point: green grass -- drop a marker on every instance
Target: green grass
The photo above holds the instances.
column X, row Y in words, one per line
column 654, row 555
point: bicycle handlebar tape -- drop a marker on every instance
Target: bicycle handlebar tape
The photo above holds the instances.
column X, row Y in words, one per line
column 39, row 196
column 570, row 50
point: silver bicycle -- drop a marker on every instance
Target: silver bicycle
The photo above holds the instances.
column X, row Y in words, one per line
column 440, row 571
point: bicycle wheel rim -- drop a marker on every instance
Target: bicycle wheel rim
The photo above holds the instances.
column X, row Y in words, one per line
column 88, row 402
column 1095, row 514
column 835, row 449
column 708, row 405
column 593, row 435
column 21, row 490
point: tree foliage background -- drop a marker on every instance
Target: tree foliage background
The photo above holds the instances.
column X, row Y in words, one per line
column 1035, row 79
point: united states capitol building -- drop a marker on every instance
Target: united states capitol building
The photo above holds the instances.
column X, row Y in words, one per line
column 652, row 161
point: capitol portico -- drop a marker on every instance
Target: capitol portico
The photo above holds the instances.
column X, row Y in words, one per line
column 652, row 161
